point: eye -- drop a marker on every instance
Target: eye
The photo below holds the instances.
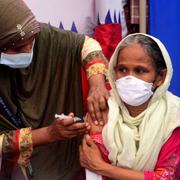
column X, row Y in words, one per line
column 121, row 69
column 141, row 70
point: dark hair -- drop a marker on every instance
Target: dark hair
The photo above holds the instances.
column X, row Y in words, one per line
column 150, row 47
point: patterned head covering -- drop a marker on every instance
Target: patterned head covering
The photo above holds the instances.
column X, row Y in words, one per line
column 17, row 23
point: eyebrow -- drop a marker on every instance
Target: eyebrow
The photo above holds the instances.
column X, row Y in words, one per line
column 138, row 66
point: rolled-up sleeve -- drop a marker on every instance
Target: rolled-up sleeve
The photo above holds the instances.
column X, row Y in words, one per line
column 93, row 59
column 15, row 148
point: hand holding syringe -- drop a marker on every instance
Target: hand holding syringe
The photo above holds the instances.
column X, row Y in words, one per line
column 67, row 127
column 63, row 116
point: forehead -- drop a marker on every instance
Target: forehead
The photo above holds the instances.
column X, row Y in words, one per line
column 134, row 54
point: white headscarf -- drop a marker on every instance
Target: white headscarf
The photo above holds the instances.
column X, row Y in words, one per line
column 150, row 129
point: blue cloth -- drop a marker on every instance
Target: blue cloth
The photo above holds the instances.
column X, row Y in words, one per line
column 164, row 24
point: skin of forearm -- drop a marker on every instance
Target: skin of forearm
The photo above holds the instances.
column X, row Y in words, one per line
column 41, row 136
column 118, row 173
column 95, row 79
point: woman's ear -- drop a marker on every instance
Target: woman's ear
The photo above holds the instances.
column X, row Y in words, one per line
column 160, row 78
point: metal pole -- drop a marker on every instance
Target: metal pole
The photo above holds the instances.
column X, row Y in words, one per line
column 142, row 10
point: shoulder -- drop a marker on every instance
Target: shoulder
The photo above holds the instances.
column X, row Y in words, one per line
column 174, row 138
column 168, row 164
column 54, row 31
column 58, row 37
column 172, row 145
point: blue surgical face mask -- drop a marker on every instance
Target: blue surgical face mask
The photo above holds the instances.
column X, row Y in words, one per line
column 20, row 60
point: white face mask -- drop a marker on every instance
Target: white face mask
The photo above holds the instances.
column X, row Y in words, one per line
column 134, row 91
column 20, row 60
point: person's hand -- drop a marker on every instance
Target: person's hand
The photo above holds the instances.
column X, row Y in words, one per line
column 94, row 128
column 97, row 98
column 67, row 128
column 90, row 156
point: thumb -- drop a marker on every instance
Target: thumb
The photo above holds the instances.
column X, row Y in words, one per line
column 107, row 95
column 71, row 114
column 89, row 140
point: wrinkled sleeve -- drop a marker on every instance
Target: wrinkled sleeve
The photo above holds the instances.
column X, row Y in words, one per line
column 15, row 148
column 168, row 164
column 97, row 138
column 93, row 59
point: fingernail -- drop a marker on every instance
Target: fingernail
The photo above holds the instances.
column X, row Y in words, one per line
column 87, row 136
column 96, row 122
column 101, row 123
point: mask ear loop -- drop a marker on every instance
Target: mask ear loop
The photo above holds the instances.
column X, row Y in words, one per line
column 33, row 45
column 154, row 88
